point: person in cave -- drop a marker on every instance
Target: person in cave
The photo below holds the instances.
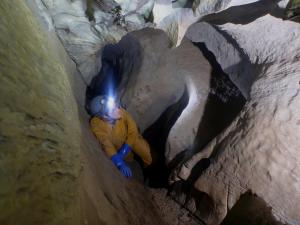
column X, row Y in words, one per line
column 118, row 134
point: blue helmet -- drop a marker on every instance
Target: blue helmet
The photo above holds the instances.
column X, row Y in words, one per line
column 102, row 105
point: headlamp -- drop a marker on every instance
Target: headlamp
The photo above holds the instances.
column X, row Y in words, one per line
column 111, row 104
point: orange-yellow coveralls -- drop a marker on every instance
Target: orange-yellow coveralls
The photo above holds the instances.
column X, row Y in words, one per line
column 124, row 130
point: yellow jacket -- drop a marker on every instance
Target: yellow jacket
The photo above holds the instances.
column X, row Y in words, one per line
column 124, row 130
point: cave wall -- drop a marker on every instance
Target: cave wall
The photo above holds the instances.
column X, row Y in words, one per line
column 52, row 170
column 40, row 151
column 259, row 150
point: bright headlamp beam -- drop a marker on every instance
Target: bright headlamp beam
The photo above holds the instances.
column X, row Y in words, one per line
column 111, row 103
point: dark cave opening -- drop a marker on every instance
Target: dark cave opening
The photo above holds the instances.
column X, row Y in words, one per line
column 157, row 135
column 248, row 210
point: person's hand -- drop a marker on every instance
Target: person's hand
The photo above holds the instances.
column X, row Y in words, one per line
column 121, row 165
column 125, row 170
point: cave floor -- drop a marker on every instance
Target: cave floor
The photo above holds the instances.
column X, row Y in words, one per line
column 170, row 211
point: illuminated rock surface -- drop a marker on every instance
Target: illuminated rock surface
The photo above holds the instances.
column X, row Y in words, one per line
column 52, row 169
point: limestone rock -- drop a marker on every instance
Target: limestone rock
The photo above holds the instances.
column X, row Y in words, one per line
column 259, row 151
column 40, row 153
column 82, row 39
column 231, row 58
column 52, row 170
column 168, row 14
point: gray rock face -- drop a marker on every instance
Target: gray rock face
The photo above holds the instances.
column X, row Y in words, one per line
column 175, row 19
column 82, row 38
column 231, row 58
column 259, row 151
column 76, row 34
column 136, row 12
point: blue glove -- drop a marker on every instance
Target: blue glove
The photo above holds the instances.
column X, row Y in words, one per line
column 125, row 170
column 121, row 165
column 124, row 150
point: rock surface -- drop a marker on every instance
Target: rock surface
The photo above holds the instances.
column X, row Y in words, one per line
column 82, row 38
column 259, row 151
column 175, row 17
column 231, row 58
column 40, row 153
column 52, row 170
column 172, row 212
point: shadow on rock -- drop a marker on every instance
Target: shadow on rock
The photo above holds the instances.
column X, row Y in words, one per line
column 245, row 14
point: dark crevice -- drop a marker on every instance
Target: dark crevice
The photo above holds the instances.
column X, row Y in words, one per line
column 223, row 104
column 157, row 135
column 185, row 4
column 198, row 203
column 248, row 210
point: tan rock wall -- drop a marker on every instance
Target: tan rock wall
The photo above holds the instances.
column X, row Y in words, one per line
column 39, row 126
column 52, row 170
